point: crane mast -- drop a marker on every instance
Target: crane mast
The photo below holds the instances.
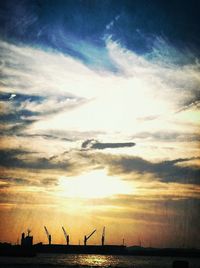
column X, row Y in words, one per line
column 87, row 237
column 103, row 236
column 48, row 235
column 66, row 235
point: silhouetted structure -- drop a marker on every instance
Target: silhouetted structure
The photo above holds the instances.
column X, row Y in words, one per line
column 26, row 241
column 81, row 249
column 28, row 249
column 66, row 235
column 103, row 237
column 48, row 235
column 87, row 237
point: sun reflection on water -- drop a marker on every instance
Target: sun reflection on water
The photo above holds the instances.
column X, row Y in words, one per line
column 97, row 260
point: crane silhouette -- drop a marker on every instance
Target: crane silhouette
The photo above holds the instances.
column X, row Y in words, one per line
column 87, row 237
column 48, row 235
column 103, row 237
column 66, row 235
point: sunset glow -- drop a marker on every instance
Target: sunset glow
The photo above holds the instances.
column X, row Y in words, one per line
column 95, row 184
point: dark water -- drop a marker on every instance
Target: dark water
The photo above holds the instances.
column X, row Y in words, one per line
column 74, row 260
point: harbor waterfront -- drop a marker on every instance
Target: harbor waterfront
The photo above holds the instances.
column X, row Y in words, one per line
column 28, row 249
column 33, row 250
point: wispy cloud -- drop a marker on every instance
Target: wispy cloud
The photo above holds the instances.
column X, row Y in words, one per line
column 58, row 91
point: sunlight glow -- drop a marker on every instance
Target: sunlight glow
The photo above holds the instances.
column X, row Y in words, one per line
column 95, row 184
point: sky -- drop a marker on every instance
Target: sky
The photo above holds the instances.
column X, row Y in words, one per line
column 99, row 121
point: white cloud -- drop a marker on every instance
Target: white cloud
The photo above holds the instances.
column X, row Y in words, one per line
column 79, row 99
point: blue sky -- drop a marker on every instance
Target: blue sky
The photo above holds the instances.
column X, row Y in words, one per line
column 79, row 28
column 100, row 114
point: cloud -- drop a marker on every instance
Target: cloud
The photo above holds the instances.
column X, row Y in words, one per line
column 23, row 159
column 18, row 116
column 189, row 105
column 180, row 170
column 16, row 128
column 10, row 181
column 16, row 181
column 110, row 25
column 68, row 102
column 23, row 109
column 18, row 99
column 147, row 118
column 168, row 136
column 67, row 93
column 46, row 136
column 166, row 171
column 163, row 65
column 94, row 144
column 127, row 167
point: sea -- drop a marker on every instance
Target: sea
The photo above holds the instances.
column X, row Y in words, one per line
column 84, row 261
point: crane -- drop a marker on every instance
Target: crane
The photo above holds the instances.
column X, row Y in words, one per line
column 66, row 235
column 48, row 235
column 87, row 237
column 103, row 237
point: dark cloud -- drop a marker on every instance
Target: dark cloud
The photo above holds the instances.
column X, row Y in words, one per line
column 94, row 144
column 21, row 159
column 190, row 104
column 17, row 128
column 19, row 98
column 178, row 170
column 17, row 116
column 166, row 171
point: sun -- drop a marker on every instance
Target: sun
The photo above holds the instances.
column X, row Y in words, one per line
column 94, row 184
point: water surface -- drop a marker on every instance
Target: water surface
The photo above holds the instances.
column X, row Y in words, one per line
column 85, row 260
